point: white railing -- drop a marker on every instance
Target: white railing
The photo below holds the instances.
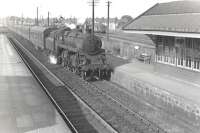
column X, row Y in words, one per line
column 180, row 62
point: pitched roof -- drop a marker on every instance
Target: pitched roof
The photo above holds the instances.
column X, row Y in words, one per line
column 178, row 16
column 175, row 7
column 138, row 38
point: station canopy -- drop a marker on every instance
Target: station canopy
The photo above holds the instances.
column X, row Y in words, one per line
column 178, row 18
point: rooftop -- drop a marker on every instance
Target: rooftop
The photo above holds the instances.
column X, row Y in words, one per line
column 175, row 7
column 177, row 16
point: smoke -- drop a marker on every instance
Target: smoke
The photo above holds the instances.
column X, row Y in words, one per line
column 52, row 59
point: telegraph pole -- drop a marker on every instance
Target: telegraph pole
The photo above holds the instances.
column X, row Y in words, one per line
column 93, row 22
column 108, row 19
column 22, row 19
column 42, row 20
column 48, row 19
column 93, row 18
column 37, row 22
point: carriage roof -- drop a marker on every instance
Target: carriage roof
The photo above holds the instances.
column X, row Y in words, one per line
column 42, row 30
column 61, row 31
column 38, row 29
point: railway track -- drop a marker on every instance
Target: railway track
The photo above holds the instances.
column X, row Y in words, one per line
column 114, row 113
column 76, row 113
column 151, row 112
column 181, row 125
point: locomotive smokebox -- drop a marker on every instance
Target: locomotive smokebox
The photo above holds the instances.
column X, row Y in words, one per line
column 91, row 44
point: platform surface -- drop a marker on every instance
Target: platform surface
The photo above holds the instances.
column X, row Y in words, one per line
column 24, row 107
column 179, row 86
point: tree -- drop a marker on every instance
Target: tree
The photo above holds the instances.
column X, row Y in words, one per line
column 124, row 20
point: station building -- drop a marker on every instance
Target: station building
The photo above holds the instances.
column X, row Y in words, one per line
column 174, row 27
column 129, row 46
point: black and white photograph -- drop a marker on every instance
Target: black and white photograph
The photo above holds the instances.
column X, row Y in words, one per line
column 100, row 66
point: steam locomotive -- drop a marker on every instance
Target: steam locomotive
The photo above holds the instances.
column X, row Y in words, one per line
column 79, row 52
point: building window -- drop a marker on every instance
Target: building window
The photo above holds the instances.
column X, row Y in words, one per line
column 180, row 61
column 159, row 52
column 197, row 63
column 180, row 52
column 188, row 62
column 183, row 52
column 166, row 59
column 172, row 60
column 160, row 58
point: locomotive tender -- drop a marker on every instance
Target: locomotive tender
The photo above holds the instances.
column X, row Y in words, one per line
column 79, row 52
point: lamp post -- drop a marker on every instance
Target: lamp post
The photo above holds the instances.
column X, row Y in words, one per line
column 48, row 19
column 37, row 21
column 135, row 50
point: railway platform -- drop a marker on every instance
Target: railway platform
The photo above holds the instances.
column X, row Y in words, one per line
column 24, row 107
column 179, row 85
column 178, row 94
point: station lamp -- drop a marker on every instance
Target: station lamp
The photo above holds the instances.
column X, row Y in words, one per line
column 136, row 47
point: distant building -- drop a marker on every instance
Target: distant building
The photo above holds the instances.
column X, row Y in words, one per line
column 175, row 29
column 112, row 26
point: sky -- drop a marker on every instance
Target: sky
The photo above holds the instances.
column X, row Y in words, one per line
column 74, row 8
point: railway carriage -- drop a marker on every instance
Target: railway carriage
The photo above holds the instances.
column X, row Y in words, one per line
column 21, row 30
column 38, row 36
column 24, row 31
